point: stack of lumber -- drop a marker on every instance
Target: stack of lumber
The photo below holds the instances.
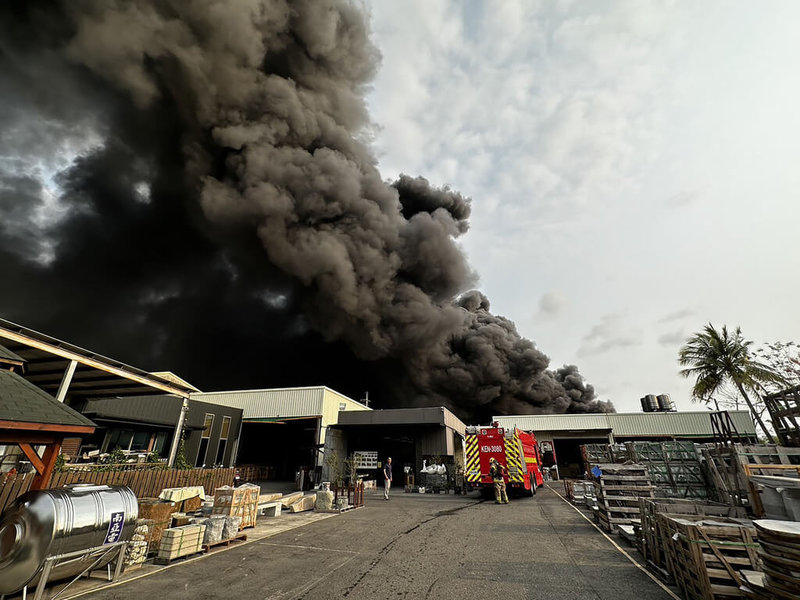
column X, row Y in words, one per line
column 651, row 545
column 618, row 489
column 237, row 502
column 705, row 555
column 160, row 513
column 780, row 557
column 177, row 542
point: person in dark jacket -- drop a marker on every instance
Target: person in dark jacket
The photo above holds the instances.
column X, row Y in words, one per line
column 496, row 470
column 387, row 478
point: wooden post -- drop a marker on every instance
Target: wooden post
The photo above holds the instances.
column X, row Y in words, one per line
column 48, row 462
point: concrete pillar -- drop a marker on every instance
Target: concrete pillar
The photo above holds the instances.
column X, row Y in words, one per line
column 176, row 438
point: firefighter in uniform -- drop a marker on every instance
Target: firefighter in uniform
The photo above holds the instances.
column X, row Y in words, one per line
column 497, row 471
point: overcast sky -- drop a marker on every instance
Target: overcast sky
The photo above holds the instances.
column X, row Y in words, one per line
column 633, row 167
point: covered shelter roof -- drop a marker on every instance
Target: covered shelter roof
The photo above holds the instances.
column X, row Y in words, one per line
column 436, row 415
column 23, row 406
column 48, row 359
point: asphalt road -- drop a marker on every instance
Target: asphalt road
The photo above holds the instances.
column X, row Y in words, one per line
column 415, row 546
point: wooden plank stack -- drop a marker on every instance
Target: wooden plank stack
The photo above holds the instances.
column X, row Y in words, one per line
column 705, row 555
column 178, row 542
column 650, row 534
column 237, row 502
column 618, row 489
column 780, row 556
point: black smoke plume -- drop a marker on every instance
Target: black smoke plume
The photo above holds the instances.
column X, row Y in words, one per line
column 188, row 186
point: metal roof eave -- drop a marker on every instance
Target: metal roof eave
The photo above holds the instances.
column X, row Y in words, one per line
column 69, row 352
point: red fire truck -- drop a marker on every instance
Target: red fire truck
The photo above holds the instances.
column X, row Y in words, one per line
column 516, row 449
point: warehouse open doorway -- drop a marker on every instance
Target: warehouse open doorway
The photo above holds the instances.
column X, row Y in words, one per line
column 281, row 445
column 568, row 455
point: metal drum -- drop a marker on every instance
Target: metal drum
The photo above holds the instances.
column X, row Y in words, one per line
column 47, row 523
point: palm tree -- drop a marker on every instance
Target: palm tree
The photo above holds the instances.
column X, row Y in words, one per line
column 716, row 357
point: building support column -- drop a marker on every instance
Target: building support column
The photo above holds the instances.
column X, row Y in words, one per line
column 66, row 380
column 44, row 466
column 176, row 438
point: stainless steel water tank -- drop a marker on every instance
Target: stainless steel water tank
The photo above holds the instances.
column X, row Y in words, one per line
column 53, row 522
column 652, row 402
column 645, row 406
column 665, row 403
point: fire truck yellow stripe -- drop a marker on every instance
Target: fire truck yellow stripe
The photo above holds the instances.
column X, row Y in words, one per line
column 514, row 461
column 472, row 460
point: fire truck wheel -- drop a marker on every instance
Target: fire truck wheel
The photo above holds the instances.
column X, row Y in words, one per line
column 533, row 484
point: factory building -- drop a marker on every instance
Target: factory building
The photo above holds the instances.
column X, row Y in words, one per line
column 567, row 433
column 285, row 429
column 147, row 424
column 408, row 435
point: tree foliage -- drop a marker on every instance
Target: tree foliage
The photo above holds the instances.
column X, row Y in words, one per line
column 719, row 357
column 784, row 359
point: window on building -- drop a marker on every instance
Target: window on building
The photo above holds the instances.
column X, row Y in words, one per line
column 118, row 438
column 223, row 440
column 141, row 439
column 160, row 444
column 204, row 440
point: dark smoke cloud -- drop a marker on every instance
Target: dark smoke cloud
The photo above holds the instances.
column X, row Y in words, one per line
column 224, row 217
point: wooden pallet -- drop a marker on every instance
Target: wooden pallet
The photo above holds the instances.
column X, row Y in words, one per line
column 652, row 545
column 726, row 466
column 618, row 490
column 237, row 538
column 705, row 555
column 158, row 560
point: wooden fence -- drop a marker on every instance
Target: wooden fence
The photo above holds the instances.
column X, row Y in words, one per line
column 144, row 483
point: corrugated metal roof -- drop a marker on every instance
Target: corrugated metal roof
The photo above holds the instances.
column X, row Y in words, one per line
column 285, row 402
column 267, row 404
column 555, row 422
column 689, row 423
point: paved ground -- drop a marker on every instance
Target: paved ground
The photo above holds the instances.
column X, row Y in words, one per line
column 415, row 546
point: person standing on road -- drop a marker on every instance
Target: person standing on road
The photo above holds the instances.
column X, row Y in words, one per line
column 497, row 471
column 387, row 478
